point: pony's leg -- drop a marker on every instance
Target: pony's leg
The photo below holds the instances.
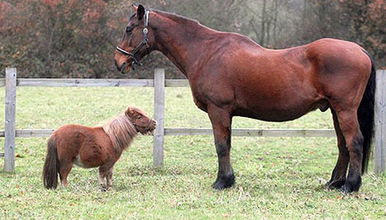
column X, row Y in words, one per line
column 221, row 124
column 109, row 177
column 338, row 176
column 348, row 122
column 105, row 171
column 102, row 178
column 65, row 168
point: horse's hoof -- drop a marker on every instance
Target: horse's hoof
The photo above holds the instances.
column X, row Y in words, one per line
column 346, row 189
column 224, row 182
column 335, row 184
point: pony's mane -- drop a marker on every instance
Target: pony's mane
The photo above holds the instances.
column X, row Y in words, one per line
column 120, row 131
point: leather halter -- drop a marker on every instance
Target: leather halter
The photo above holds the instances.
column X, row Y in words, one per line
column 144, row 42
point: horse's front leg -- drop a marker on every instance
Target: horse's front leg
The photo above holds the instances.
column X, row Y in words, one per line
column 221, row 124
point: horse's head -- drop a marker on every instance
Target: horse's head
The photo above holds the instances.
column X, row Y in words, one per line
column 136, row 42
column 140, row 120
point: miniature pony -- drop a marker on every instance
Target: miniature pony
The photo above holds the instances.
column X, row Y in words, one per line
column 90, row 147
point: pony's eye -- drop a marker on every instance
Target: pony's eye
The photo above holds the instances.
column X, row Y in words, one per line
column 139, row 116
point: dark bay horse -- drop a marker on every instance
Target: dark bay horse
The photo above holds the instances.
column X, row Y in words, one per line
column 90, row 147
column 230, row 75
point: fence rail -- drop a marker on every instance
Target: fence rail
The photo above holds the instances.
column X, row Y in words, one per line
column 159, row 83
column 37, row 82
column 205, row 131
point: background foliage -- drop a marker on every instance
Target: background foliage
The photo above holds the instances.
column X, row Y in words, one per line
column 74, row 38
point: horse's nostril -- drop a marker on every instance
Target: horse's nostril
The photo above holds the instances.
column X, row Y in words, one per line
column 116, row 64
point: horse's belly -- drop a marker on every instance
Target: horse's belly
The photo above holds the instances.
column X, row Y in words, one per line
column 274, row 116
column 279, row 113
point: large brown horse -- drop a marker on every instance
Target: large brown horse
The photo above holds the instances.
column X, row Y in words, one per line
column 90, row 147
column 230, row 75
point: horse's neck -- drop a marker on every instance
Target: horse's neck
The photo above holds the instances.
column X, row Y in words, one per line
column 180, row 41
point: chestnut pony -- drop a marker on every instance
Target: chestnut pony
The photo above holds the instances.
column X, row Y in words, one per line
column 90, row 147
column 230, row 75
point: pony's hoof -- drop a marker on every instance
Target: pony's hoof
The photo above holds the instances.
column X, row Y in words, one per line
column 104, row 188
column 224, row 182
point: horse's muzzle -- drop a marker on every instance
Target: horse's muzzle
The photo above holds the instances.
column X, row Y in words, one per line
column 124, row 68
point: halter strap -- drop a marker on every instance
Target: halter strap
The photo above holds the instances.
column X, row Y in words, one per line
column 146, row 18
column 143, row 43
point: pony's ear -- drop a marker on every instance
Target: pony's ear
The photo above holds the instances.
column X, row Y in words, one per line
column 130, row 112
column 140, row 12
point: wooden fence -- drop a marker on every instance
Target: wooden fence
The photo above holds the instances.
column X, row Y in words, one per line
column 159, row 83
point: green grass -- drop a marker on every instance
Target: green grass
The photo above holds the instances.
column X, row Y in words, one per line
column 276, row 178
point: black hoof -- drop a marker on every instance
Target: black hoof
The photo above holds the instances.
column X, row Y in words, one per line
column 349, row 188
column 352, row 184
column 346, row 189
column 335, row 184
column 224, row 182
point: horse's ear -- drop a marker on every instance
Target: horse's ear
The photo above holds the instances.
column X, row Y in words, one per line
column 140, row 12
column 134, row 6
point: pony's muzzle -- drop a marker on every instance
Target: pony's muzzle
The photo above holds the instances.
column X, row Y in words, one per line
column 151, row 127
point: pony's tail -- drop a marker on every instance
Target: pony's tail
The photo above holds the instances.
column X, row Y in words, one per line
column 51, row 165
column 366, row 116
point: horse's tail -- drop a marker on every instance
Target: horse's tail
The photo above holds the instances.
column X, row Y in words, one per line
column 366, row 116
column 51, row 165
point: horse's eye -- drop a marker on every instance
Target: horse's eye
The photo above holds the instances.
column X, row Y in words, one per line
column 129, row 29
column 139, row 117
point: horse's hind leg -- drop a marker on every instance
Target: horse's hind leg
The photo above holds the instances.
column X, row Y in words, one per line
column 348, row 122
column 338, row 176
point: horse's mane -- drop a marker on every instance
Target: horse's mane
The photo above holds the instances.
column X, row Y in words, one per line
column 178, row 18
column 120, row 131
column 190, row 25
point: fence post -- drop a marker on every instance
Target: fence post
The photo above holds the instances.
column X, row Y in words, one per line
column 380, row 122
column 10, row 110
column 159, row 108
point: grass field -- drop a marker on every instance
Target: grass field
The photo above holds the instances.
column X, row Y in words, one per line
column 276, row 178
